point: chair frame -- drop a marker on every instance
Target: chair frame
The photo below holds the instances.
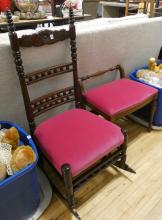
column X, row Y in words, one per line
column 39, row 106
column 145, row 7
column 152, row 99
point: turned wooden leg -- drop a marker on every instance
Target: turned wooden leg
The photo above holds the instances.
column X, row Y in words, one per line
column 152, row 112
column 122, row 163
column 66, row 173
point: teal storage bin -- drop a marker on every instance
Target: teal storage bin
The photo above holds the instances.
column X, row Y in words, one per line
column 20, row 193
column 144, row 112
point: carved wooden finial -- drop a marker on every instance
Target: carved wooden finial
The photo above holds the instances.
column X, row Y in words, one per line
column 14, row 44
column 11, row 27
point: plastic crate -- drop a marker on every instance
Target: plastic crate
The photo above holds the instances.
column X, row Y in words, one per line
column 144, row 112
column 20, row 195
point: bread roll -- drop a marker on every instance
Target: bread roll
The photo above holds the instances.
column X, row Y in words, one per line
column 22, row 156
column 11, row 137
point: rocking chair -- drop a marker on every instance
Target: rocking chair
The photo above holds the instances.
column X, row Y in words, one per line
column 76, row 143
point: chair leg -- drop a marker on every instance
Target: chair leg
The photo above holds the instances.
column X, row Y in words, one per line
column 152, row 112
column 66, row 173
column 122, row 163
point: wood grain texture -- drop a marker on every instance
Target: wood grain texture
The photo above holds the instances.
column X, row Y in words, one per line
column 43, row 37
column 118, row 195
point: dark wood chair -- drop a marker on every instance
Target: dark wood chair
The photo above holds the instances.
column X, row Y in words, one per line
column 76, row 144
column 118, row 98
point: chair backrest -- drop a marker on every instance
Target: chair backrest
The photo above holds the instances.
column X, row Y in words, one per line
column 50, row 100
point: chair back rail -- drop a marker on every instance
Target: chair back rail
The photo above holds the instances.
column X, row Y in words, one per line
column 99, row 73
column 46, row 73
column 50, row 100
column 43, row 37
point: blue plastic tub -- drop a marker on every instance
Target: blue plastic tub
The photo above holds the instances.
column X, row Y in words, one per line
column 19, row 194
column 144, row 112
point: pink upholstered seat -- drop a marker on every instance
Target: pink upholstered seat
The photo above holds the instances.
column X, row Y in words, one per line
column 117, row 96
column 77, row 137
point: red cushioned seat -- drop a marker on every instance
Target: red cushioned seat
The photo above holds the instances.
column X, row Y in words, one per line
column 77, row 137
column 117, row 96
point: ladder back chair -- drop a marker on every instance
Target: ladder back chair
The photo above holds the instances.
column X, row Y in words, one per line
column 119, row 98
column 76, row 143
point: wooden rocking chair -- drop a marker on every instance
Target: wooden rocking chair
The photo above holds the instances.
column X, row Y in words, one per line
column 76, row 143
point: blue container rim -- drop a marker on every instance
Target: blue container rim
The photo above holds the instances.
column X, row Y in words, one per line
column 132, row 74
column 29, row 167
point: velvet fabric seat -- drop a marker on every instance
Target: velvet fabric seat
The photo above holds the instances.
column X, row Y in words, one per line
column 77, row 137
column 117, row 96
